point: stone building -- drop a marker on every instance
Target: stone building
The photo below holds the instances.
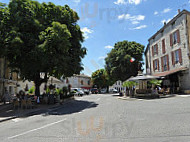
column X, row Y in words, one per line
column 78, row 81
column 167, row 54
column 118, row 85
column 8, row 80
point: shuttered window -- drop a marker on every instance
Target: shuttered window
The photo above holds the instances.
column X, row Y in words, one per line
column 176, row 57
column 175, row 38
column 156, row 64
column 163, row 46
column 165, row 63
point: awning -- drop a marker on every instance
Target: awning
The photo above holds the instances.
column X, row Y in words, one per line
column 171, row 72
column 142, row 77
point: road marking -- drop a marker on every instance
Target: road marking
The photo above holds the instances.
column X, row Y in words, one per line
column 48, row 125
column 17, row 120
column 184, row 96
column 98, row 99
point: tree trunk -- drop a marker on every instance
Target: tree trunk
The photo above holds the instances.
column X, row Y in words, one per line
column 107, row 89
column 37, row 89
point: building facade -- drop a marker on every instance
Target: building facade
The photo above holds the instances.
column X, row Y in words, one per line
column 118, row 85
column 8, row 80
column 167, row 54
column 78, row 81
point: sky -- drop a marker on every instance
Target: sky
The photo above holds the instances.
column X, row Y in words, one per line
column 106, row 22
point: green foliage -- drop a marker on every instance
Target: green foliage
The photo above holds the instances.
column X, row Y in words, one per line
column 101, row 78
column 130, row 84
column 31, row 90
column 41, row 37
column 156, row 82
column 118, row 63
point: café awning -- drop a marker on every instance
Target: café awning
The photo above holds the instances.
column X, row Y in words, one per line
column 163, row 74
column 142, row 77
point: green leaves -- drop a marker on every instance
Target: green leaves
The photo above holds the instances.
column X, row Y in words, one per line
column 130, row 84
column 41, row 37
column 118, row 63
column 101, row 78
column 156, row 82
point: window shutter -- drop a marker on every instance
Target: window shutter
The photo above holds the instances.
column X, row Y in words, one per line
column 157, row 49
column 162, row 63
column 153, row 65
column 178, row 36
column 168, row 67
column 163, row 46
column 180, row 55
column 158, row 64
column 152, row 50
column 173, row 62
column 171, row 40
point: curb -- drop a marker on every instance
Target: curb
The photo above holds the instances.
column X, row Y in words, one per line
column 52, row 108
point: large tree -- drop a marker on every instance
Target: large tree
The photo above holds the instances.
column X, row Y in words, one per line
column 101, row 79
column 118, row 62
column 41, row 38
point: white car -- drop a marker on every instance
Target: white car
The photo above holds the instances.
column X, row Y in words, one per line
column 77, row 91
column 113, row 90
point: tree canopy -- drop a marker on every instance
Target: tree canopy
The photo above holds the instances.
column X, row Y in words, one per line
column 41, row 37
column 101, row 79
column 118, row 61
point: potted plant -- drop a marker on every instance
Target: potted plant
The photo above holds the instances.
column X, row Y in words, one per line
column 155, row 83
column 130, row 87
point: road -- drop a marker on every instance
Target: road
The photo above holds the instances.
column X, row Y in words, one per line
column 105, row 118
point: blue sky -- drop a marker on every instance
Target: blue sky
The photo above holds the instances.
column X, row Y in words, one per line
column 105, row 22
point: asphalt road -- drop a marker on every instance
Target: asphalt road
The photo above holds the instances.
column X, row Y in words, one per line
column 105, row 118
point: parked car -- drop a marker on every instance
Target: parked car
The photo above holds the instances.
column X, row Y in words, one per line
column 94, row 91
column 86, row 91
column 113, row 90
column 103, row 91
column 77, row 91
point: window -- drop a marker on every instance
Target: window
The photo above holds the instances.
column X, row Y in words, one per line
column 174, row 37
column 163, row 46
column 176, row 56
column 82, row 82
column 88, row 82
column 156, row 64
column 165, row 63
column 155, row 49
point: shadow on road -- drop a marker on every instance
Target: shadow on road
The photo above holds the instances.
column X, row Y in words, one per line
column 73, row 106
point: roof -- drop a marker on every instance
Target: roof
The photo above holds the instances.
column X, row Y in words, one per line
column 171, row 21
column 83, row 75
column 142, row 77
column 171, row 72
column 54, row 80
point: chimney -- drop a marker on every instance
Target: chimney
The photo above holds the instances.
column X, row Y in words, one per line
column 179, row 11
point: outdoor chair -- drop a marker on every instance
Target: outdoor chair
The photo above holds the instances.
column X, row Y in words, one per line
column 167, row 91
column 16, row 104
column 23, row 104
column 29, row 104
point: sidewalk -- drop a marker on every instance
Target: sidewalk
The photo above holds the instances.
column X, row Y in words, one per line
column 144, row 98
column 7, row 112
